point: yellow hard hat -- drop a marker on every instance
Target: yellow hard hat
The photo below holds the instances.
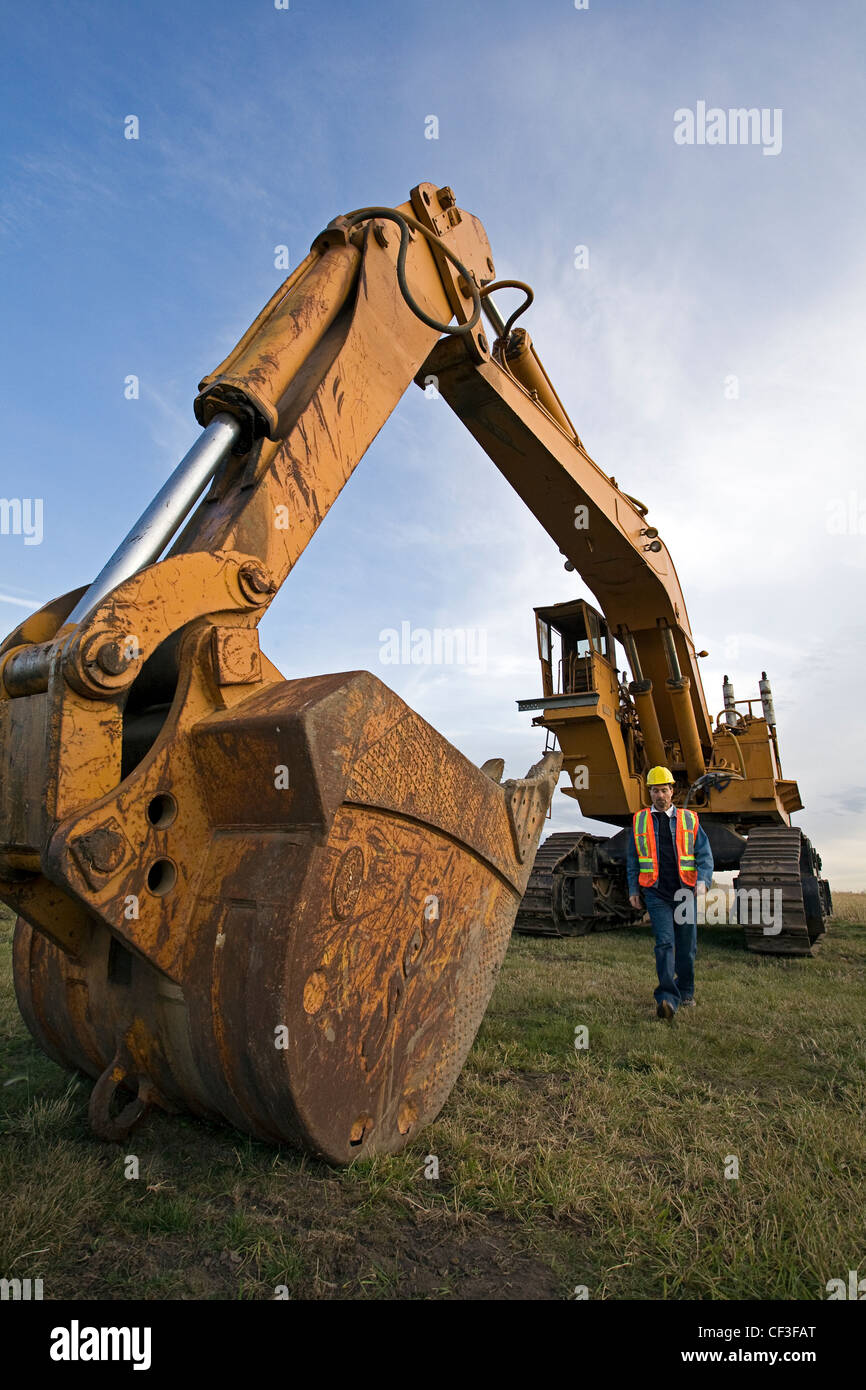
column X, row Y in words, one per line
column 660, row 777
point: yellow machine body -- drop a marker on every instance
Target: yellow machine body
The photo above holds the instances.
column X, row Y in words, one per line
column 284, row 903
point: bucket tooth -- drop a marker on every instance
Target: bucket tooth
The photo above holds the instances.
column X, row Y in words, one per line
column 528, row 800
column 494, row 768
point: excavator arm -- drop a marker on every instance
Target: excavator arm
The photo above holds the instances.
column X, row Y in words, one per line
column 510, row 408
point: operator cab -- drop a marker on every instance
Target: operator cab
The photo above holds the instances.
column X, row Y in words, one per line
column 572, row 638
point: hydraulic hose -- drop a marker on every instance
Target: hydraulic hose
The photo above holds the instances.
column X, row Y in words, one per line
column 404, row 221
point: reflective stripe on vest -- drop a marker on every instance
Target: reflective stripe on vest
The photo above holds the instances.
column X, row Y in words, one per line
column 687, row 826
column 645, row 844
column 687, row 829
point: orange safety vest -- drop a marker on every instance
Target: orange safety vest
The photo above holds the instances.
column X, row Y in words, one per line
column 687, row 827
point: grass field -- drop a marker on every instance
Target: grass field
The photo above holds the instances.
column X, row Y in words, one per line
column 558, row 1168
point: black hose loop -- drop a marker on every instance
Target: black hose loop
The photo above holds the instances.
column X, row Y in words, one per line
column 404, row 222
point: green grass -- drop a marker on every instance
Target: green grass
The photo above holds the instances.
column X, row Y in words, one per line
column 603, row 1167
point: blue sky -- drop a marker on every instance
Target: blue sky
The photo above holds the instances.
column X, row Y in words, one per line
column 257, row 126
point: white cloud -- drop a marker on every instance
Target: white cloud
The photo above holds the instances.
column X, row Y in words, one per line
column 19, row 602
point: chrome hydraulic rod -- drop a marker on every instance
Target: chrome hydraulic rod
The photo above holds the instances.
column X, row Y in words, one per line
column 26, row 672
column 670, row 652
column 158, row 523
column 493, row 316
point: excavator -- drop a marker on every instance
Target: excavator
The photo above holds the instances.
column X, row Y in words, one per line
column 284, row 904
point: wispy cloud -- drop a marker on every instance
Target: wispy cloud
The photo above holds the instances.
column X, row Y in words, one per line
column 19, row 602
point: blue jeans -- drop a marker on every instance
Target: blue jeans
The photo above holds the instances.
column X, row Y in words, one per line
column 676, row 944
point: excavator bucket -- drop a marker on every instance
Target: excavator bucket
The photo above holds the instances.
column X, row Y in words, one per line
column 281, row 903
column 303, row 903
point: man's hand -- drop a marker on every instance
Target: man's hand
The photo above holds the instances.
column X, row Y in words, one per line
column 636, row 902
column 700, row 888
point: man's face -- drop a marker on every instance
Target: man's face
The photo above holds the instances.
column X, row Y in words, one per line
column 661, row 797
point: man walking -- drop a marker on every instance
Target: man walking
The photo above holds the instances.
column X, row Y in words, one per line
column 669, row 860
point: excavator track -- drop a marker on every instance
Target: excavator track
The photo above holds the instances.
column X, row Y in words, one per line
column 535, row 916
column 780, row 859
column 574, row 888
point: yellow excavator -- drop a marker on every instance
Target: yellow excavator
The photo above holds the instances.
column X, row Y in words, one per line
column 284, row 903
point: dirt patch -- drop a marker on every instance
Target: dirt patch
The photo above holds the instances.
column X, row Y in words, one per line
column 480, row 1264
column 421, row 1256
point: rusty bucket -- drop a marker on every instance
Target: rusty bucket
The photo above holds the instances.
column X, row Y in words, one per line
column 304, row 903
